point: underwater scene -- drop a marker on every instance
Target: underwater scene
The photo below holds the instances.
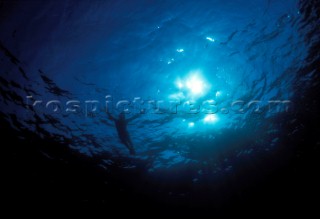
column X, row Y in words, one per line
column 153, row 104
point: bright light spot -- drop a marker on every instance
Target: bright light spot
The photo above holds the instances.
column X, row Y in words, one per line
column 183, row 120
column 190, row 124
column 170, row 61
column 195, row 85
column 218, row 93
column 192, row 86
column 210, row 39
column 211, row 118
column 180, row 50
column 179, row 84
column 210, row 101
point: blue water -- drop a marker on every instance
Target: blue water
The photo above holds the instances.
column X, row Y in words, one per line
column 182, row 51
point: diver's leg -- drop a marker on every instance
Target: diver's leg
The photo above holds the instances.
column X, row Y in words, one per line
column 127, row 142
column 131, row 148
column 132, row 151
column 129, row 145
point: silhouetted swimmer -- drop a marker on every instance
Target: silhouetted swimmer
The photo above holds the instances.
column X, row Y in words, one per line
column 121, row 125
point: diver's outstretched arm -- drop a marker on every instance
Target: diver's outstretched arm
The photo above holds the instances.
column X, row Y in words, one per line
column 133, row 118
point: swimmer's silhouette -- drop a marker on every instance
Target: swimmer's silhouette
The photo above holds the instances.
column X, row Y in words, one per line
column 121, row 125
